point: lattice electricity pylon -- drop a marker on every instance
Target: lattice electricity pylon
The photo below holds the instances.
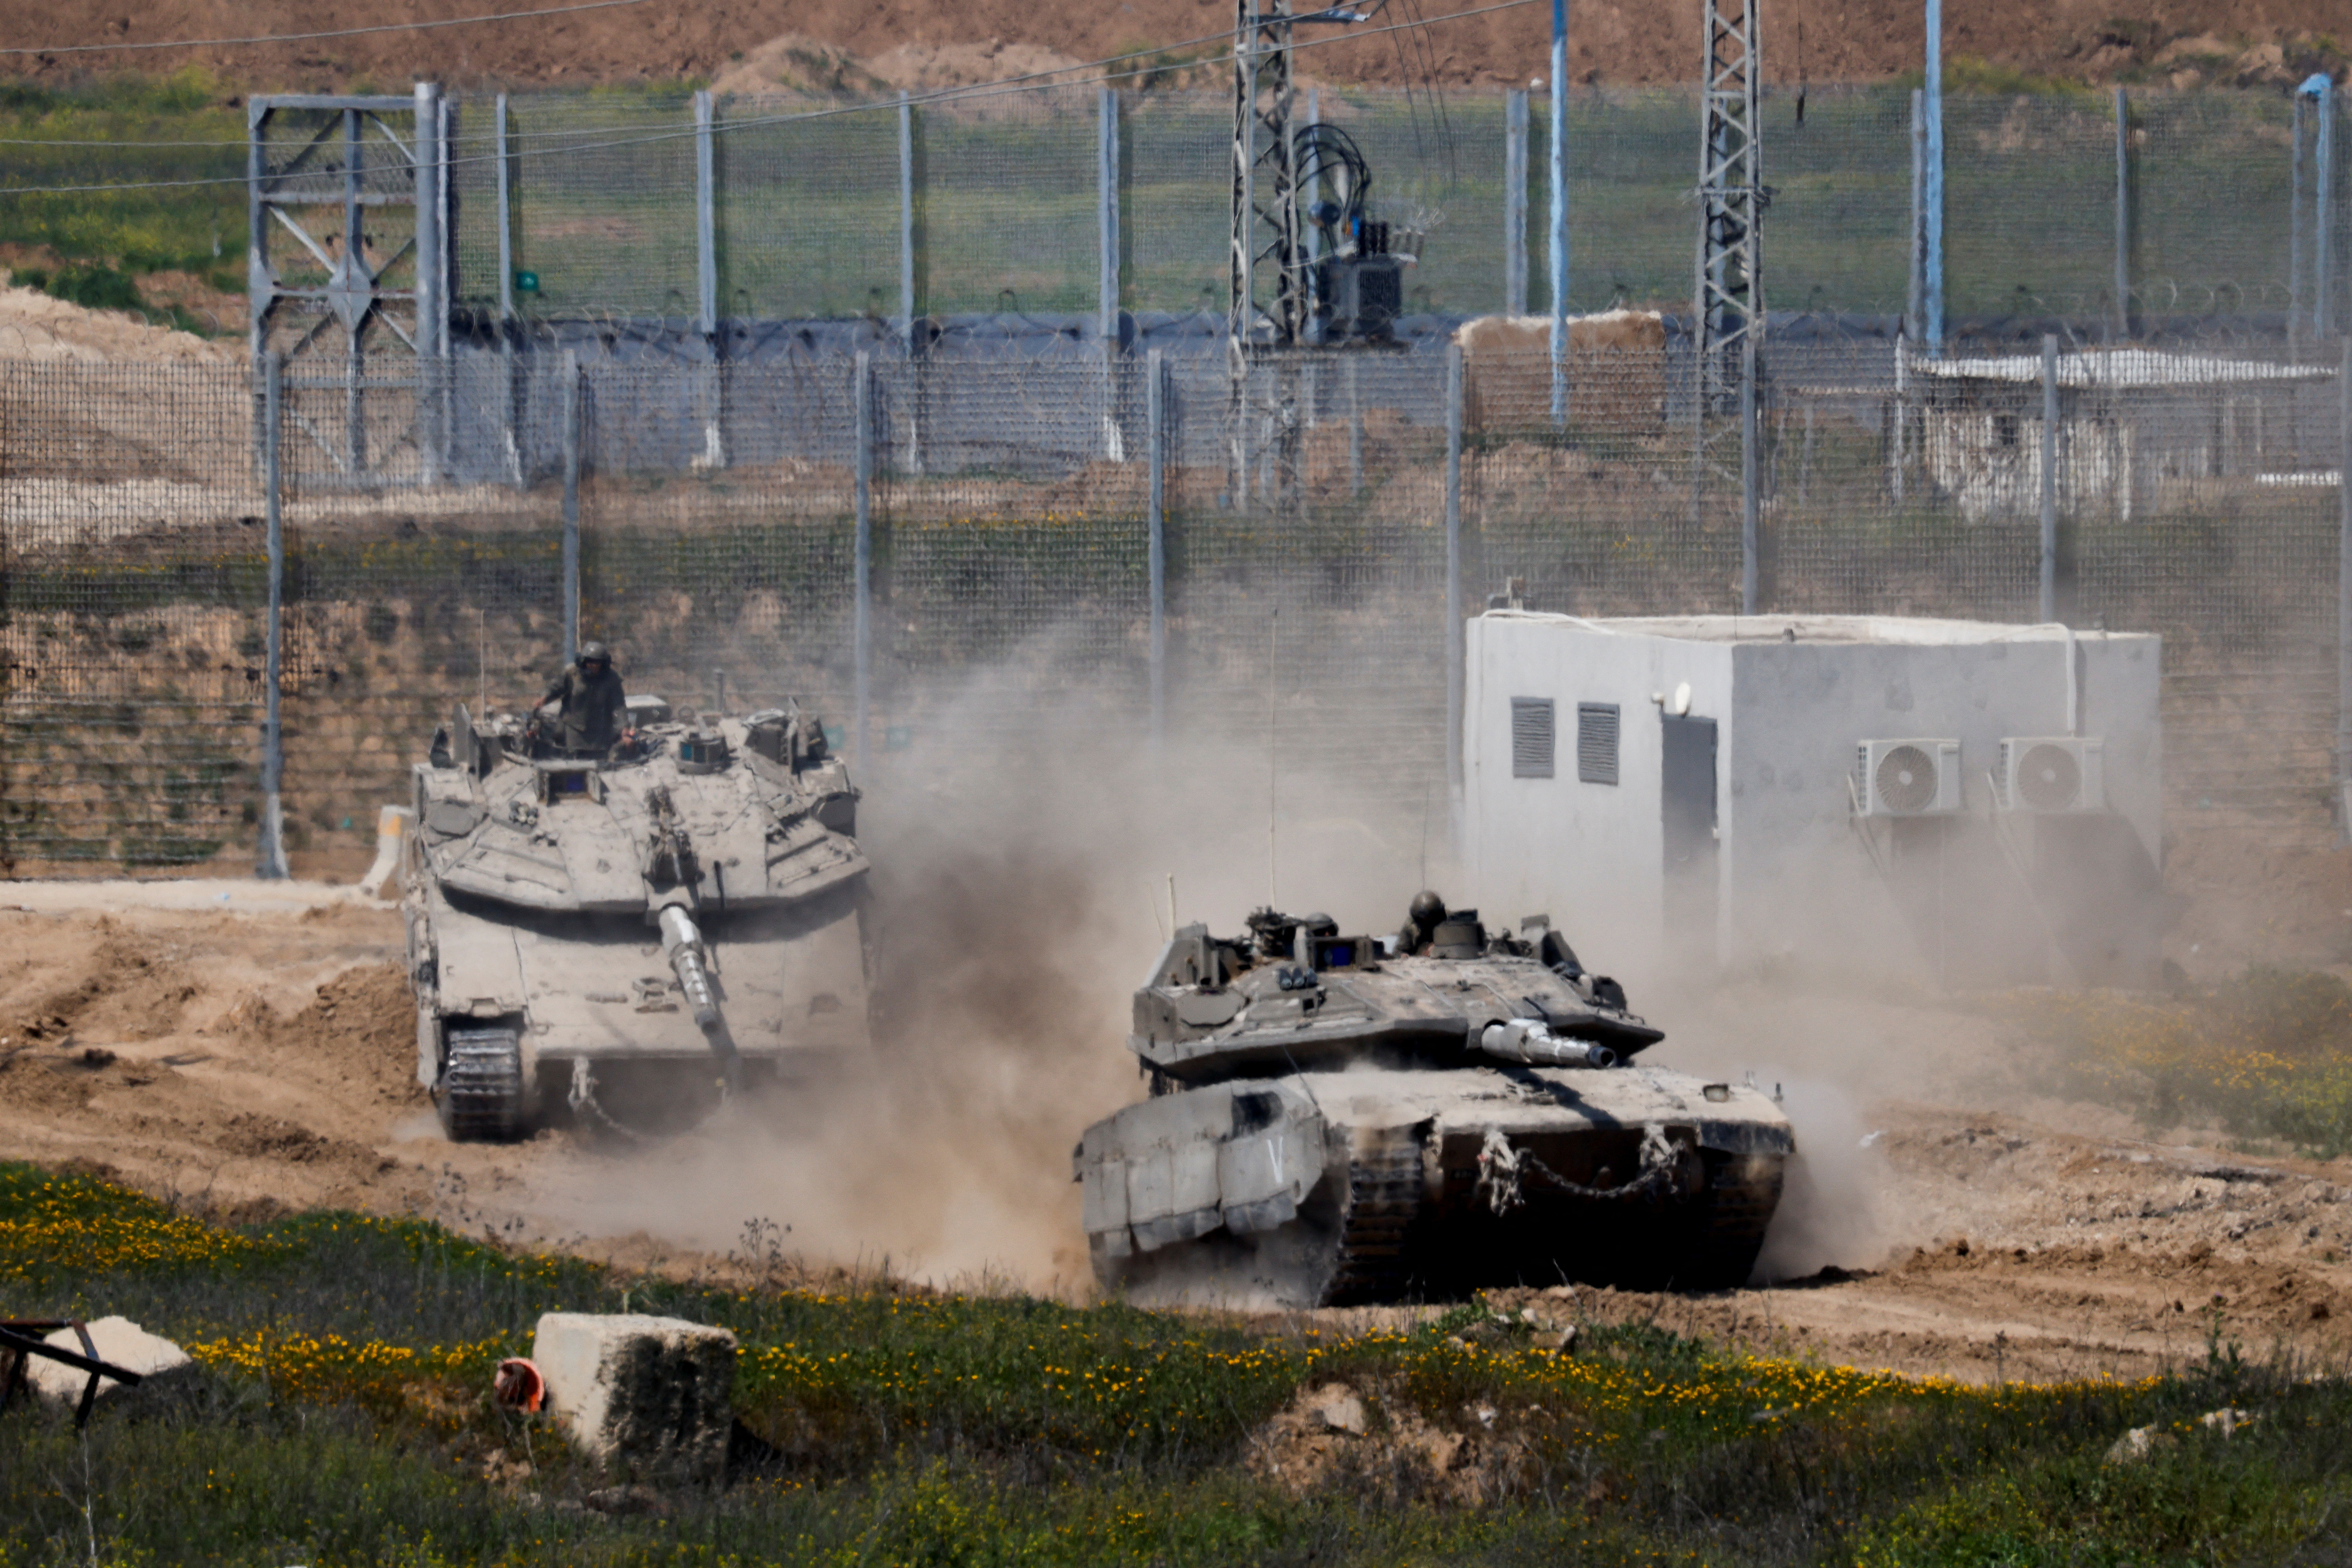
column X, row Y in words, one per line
column 1268, row 301
column 357, row 308
column 1728, row 302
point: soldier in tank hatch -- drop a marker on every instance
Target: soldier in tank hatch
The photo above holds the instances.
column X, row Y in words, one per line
column 591, row 713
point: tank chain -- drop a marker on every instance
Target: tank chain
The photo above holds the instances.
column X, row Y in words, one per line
column 1384, row 1190
column 1502, row 1167
column 481, row 1086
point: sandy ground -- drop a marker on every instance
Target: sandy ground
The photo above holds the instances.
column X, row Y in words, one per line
column 35, row 326
column 1611, row 40
column 242, row 1045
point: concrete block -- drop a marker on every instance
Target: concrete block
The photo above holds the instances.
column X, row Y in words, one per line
column 120, row 1341
column 647, row 1392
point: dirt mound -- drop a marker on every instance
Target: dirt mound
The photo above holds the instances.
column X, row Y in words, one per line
column 35, row 326
column 1612, row 40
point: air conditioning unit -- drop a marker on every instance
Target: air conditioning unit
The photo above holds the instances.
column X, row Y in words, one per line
column 1908, row 777
column 2047, row 774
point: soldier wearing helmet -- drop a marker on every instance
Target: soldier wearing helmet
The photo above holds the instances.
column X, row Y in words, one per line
column 589, row 710
column 1422, row 919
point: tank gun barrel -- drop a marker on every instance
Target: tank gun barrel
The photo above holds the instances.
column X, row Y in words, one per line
column 1532, row 1043
column 682, row 941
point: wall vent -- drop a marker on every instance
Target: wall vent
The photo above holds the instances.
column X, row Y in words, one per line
column 1596, row 743
column 1532, row 737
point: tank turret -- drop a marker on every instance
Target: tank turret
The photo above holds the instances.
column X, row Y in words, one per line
column 1339, row 1118
column 626, row 936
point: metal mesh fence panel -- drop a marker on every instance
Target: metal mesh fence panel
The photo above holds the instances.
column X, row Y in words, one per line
column 1006, row 203
column 2196, row 157
column 1175, row 206
column 807, row 210
column 2028, row 225
column 1607, row 511
column 1891, row 490
column 1307, row 551
column 717, row 586
column 602, row 203
column 402, row 602
column 134, row 592
column 1633, row 158
column 1007, row 519
column 1838, row 228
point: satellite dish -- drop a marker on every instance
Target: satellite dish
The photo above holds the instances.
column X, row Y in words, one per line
column 1680, row 706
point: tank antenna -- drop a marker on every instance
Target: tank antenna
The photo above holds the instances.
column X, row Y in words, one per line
column 1273, row 748
column 1172, row 921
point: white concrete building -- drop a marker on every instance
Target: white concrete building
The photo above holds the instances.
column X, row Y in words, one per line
column 1696, row 790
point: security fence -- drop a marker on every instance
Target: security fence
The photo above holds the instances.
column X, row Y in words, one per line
column 935, row 553
column 2082, row 203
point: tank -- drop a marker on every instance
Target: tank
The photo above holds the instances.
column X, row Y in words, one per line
column 629, row 940
column 1336, row 1119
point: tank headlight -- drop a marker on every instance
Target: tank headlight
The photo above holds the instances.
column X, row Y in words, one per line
column 1718, row 1092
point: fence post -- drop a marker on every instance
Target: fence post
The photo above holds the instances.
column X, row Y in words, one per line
column 571, row 414
column 1917, row 321
column 430, row 282
column 501, row 162
column 269, row 859
column 1515, row 203
column 1559, row 214
column 2295, row 231
column 2322, row 317
column 1106, row 212
column 2049, row 600
column 2122, row 214
column 861, row 620
column 1453, row 566
column 1931, row 191
column 1751, row 564
column 1155, row 414
column 706, row 225
column 712, row 391
column 2344, row 590
column 906, row 221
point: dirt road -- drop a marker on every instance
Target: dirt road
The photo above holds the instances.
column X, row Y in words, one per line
column 241, row 1046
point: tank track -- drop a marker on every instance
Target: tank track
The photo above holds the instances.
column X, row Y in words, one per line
column 481, row 1086
column 1384, row 1195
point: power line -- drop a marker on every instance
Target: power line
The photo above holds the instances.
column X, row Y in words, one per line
column 1024, row 83
column 337, row 32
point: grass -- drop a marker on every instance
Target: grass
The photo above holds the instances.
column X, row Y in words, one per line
column 2268, row 1055
column 80, row 239
column 337, row 1416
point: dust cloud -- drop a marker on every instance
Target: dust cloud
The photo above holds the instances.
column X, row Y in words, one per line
column 1019, row 892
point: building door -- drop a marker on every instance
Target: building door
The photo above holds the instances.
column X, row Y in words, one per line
column 1686, row 787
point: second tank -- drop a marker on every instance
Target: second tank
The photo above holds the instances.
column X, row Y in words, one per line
column 1339, row 1118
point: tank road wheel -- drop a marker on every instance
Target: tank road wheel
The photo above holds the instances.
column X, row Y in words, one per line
column 481, row 1086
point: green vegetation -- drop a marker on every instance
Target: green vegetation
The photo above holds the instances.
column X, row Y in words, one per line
column 2268, row 1055
column 91, row 246
column 338, row 1416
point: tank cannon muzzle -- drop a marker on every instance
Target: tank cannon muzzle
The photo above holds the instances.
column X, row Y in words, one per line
column 1532, row 1043
column 682, row 945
